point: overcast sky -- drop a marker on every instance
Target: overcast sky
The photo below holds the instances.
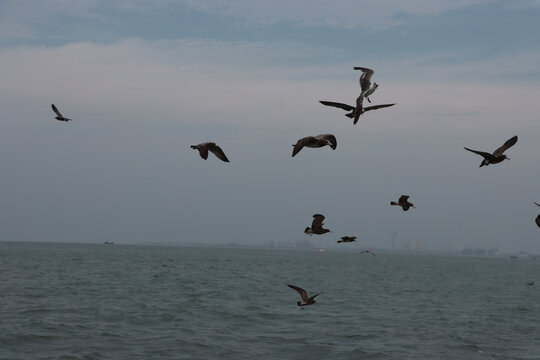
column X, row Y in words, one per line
column 145, row 80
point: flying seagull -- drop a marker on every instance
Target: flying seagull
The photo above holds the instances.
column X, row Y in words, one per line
column 497, row 155
column 403, row 202
column 305, row 299
column 537, row 220
column 352, row 109
column 365, row 82
column 59, row 115
column 316, row 226
column 205, row 147
column 367, row 251
column 315, row 142
column 345, row 239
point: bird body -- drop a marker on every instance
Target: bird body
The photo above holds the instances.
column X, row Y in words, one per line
column 316, row 226
column 315, row 142
column 345, row 239
column 354, row 114
column 213, row 148
column 403, row 202
column 304, row 295
column 59, row 116
column 497, row 155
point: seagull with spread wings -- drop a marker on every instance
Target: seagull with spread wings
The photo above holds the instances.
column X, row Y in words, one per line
column 316, row 226
column 304, row 295
column 59, row 116
column 403, row 201
column 497, row 155
column 345, row 239
column 213, row 148
column 315, row 142
column 353, row 113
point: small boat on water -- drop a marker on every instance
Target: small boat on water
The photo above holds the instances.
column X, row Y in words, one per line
column 320, row 249
column 108, row 243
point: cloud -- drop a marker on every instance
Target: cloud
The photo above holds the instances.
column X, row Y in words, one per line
column 341, row 14
column 238, row 83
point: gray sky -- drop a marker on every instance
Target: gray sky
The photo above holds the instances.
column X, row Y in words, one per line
column 144, row 82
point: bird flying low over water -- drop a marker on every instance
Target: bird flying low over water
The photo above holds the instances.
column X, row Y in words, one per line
column 497, row 155
column 353, row 113
column 305, row 299
column 345, row 239
column 316, row 226
column 403, row 202
column 315, row 142
column 213, row 148
column 59, row 116
column 368, row 252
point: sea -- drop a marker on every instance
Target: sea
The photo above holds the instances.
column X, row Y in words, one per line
column 96, row 301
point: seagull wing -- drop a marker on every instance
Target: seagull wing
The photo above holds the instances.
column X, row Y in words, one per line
column 365, row 78
column 338, row 105
column 56, row 111
column 537, row 204
column 216, row 150
column 537, row 220
column 301, row 143
column 403, row 198
column 509, row 143
column 375, row 107
column 317, row 221
column 485, row 155
column 301, row 291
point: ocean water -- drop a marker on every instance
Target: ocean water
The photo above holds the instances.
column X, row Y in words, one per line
column 71, row 301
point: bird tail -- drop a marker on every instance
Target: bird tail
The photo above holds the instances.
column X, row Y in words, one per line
column 393, row 203
column 307, row 230
column 193, row 146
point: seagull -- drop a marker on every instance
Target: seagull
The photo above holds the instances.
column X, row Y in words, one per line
column 352, row 109
column 537, row 220
column 316, row 226
column 315, row 142
column 403, row 202
column 497, row 155
column 305, row 299
column 365, row 82
column 347, row 239
column 531, row 283
column 216, row 150
column 367, row 251
column 58, row 115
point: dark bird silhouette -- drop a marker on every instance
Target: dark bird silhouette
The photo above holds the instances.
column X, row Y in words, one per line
column 59, row 116
column 212, row 147
column 345, row 239
column 352, row 109
column 403, row 202
column 316, row 226
column 497, row 155
column 315, row 142
column 531, row 283
column 367, row 251
column 305, row 299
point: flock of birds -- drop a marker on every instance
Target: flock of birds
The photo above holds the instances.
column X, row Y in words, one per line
column 318, row 141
